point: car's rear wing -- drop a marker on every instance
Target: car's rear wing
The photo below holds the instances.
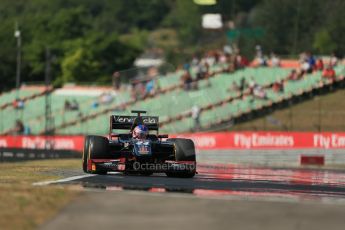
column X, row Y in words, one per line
column 126, row 122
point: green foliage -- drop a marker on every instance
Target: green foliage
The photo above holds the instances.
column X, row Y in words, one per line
column 185, row 16
column 90, row 39
column 164, row 38
column 323, row 42
column 136, row 38
column 7, row 55
column 94, row 58
column 78, row 66
column 334, row 22
column 81, row 35
column 299, row 25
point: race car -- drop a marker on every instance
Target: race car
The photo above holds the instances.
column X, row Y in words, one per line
column 138, row 150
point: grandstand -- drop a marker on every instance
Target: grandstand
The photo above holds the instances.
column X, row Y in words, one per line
column 24, row 93
column 218, row 104
column 171, row 84
column 230, row 110
column 33, row 113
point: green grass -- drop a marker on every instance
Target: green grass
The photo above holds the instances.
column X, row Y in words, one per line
column 321, row 113
column 24, row 206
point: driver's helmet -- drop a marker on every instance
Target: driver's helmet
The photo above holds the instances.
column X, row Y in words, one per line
column 140, row 132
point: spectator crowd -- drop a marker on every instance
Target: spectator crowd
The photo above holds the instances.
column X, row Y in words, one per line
column 202, row 67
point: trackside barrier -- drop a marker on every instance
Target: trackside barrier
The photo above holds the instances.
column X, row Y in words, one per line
column 233, row 147
column 16, row 154
column 203, row 141
column 267, row 140
column 75, row 143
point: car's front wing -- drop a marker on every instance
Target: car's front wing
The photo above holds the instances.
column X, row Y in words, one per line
column 120, row 165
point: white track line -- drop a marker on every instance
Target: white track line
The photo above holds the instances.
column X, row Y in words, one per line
column 42, row 183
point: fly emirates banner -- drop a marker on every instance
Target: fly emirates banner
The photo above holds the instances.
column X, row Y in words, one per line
column 203, row 141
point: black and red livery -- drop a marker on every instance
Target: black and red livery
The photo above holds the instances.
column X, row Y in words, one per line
column 120, row 152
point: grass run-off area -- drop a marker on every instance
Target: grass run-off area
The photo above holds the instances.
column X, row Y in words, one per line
column 320, row 113
column 24, row 206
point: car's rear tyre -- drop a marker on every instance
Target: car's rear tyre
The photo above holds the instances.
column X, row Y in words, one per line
column 95, row 147
column 184, row 151
column 85, row 152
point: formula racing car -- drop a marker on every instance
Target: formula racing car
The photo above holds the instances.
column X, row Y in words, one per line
column 138, row 150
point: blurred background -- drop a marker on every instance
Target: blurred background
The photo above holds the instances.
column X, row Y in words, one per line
column 201, row 65
column 258, row 85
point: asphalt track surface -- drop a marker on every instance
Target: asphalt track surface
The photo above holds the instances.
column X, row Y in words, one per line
column 219, row 197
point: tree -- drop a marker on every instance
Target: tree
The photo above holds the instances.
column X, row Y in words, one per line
column 94, row 59
column 88, row 37
column 299, row 25
column 185, row 17
column 323, row 42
